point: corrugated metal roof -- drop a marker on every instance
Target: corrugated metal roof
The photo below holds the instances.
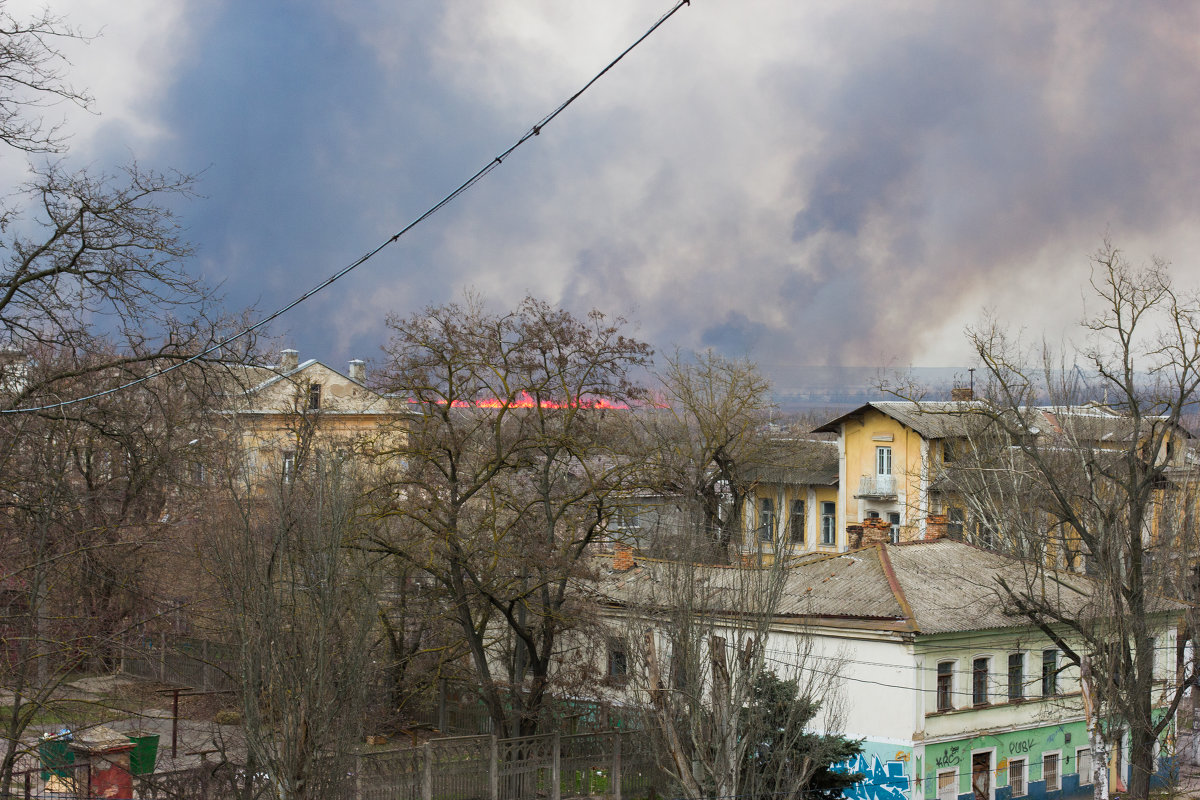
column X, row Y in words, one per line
column 843, row 585
column 954, row 418
column 934, row 420
column 933, row 587
column 812, row 462
column 953, row 586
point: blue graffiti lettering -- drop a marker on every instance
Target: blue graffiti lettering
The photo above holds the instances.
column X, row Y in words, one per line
column 881, row 781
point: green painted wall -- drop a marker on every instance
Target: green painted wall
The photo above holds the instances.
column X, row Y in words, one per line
column 1027, row 744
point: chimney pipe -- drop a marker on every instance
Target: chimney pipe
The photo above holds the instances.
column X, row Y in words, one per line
column 358, row 370
column 288, row 360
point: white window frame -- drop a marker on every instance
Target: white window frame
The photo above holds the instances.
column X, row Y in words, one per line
column 987, row 680
column 797, row 522
column 883, row 460
column 895, row 521
column 766, row 520
column 1008, row 675
column 1053, row 676
column 1058, row 772
column 828, row 523
column 954, row 785
column 1023, row 772
column 1085, row 777
column 936, row 685
column 289, row 465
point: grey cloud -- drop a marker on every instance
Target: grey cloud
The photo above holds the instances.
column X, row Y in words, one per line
column 836, row 212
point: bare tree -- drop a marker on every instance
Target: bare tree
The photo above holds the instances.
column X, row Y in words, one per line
column 33, row 76
column 730, row 697
column 703, row 440
column 88, row 492
column 93, row 295
column 299, row 598
column 1070, row 458
column 510, row 467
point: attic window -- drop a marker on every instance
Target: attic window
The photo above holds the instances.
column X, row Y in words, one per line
column 314, row 396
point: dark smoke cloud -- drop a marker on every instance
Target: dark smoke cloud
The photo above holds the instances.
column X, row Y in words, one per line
column 838, row 184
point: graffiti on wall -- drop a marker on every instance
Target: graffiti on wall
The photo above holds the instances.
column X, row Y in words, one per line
column 882, row 780
column 951, row 757
column 1024, row 745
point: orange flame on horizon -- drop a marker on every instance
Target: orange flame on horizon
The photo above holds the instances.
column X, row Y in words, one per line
column 526, row 400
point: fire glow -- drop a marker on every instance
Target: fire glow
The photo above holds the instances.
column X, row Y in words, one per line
column 526, row 400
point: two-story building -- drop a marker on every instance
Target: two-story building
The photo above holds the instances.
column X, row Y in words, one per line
column 279, row 412
column 954, row 696
column 793, row 505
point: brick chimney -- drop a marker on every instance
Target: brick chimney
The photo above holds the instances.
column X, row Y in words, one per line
column 961, row 394
column 622, row 558
column 876, row 531
column 288, row 360
column 358, row 370
column 854, row 536
column 936, row 527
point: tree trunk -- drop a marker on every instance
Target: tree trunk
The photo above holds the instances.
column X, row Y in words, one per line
column 1099, row 761
column 1141, row 761
column 725, row 775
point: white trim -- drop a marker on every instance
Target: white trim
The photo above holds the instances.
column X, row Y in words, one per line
column 1032, row 726
column 991, row 770
column 1059, row 768
column 1024, row 762
column 937, row 706
column 1025, row 695
column 987, row 683
column 937, row 783
column 1087, row 750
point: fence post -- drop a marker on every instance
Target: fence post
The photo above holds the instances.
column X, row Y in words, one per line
column 615, row 784
column 441, row 712
column 494, row 771
column 556, row 769
column 427, row 774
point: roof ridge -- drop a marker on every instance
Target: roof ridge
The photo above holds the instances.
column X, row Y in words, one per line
column 889, row 572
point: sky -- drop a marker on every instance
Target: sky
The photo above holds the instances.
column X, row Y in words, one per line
column 819, row 183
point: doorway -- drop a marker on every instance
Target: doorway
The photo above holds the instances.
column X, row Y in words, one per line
column 981, row 775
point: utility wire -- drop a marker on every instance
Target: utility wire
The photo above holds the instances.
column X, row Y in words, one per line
column 449, row 198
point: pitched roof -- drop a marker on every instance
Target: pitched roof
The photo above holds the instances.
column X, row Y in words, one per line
column 953, row 418
column 934, row 420
column 929, row 587
column 798, row 461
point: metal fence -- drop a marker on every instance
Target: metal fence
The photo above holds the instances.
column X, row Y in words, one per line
column 615, row 764
column 64, row 780
column 456, row 710
column 198, row 663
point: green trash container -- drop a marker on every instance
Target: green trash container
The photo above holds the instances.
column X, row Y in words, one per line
column 144, row 753
column 56, row 756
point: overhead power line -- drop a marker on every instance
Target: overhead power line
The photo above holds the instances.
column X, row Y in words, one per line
column 479, row 175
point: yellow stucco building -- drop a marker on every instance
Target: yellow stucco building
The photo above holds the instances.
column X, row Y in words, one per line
column 284, row 412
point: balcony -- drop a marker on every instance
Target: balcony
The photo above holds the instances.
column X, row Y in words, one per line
column 877, row 487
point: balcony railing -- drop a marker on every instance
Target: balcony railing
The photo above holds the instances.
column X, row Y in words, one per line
column 877, row 486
